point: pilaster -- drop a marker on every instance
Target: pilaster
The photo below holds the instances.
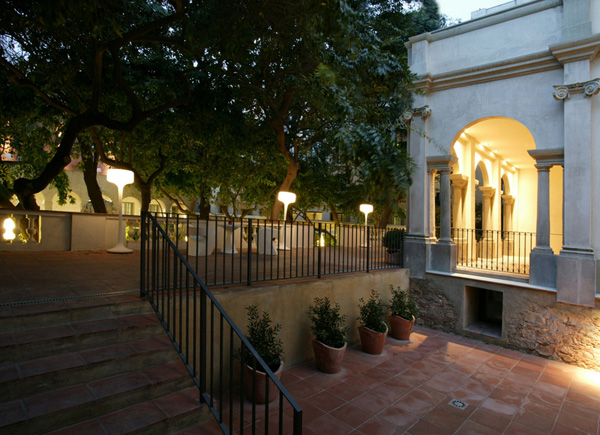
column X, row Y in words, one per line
column 418, row 234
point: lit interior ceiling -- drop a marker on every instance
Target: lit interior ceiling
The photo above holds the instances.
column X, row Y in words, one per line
column 506, row 138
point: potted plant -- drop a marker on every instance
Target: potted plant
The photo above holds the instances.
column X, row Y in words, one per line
column 328, row 326
column 403, row 311
column 373, row 328
column 393, row 241
column 262, row 335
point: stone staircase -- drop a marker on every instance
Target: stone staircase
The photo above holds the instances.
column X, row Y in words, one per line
column 101, row 365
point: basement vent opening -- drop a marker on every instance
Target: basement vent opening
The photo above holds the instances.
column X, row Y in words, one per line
column 484, row 311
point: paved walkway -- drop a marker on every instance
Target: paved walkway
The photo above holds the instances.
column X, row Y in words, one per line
column 437, row 383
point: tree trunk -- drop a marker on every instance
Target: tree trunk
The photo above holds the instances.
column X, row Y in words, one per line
column 385, row 216
column 204, row 208
column 25, row 189
column 145, row 191
column 90, row 173
column 292, row 172
column 334, row 215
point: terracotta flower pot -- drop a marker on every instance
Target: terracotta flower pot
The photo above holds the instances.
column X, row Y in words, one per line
column 372, row 342
column 259, row 384
column 329, row 359
column 400, row 328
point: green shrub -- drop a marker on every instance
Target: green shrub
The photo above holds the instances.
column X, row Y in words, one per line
column 393, row 240
column 403, row 304
column 328, row 324
column 263, row 337
column 373, row 313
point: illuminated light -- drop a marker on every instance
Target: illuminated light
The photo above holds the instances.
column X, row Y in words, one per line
column 9, row 229
column 322, row 240
column 120, row 177
column 287, row 198
column 479, row 146
column 366, row 209
column 492, row 154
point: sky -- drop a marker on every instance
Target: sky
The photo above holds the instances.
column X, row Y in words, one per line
column 462, row 8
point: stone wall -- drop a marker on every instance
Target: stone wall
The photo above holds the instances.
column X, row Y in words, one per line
column 435, row 308
column 533, row 321
column 567, row 333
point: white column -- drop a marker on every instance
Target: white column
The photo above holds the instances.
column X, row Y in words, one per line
column 459, row 184
column 431, row 211
column 509, row 201
column 486, row 209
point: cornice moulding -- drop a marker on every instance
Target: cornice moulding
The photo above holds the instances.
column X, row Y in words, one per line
column 520, row 66
column 580, row 49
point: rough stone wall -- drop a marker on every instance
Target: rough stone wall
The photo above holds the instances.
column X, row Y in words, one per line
column 435, row 308
column 563, row 332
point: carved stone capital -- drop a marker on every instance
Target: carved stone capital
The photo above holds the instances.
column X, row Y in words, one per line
column 564, row 92
column 424, row 112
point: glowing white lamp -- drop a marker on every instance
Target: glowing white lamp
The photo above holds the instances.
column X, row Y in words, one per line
column 9, row 229
column 120, row 177
column 366, row 209
column 287, row 198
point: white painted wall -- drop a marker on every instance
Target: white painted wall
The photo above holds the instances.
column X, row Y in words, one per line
column 505, row 40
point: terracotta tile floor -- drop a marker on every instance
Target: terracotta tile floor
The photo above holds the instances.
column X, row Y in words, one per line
column 441, row 383
column 410, row 388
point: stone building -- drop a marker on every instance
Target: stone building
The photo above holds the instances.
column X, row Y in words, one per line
column 503, row 214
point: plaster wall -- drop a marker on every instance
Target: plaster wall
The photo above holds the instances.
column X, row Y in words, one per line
column 455, row 109
column 288, row 304
column 556, row 208
column 595, row 73
column 525, row 211
column 506, row 40
column 595, row 16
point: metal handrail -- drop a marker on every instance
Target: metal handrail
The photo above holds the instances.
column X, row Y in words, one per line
column 494, row 250
column 242, row 251
column 206, row 343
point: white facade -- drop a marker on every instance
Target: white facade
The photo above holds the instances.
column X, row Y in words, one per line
column 510, row 118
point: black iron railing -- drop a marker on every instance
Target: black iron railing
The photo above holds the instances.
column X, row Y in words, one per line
column 206, row 338
column 502, row 251
column 232, row 251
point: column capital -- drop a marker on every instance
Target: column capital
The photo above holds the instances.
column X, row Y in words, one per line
column 459, row 180
column 487, row 191
column 508, row 199
column 424, row 112
column 548, row 157
column 588, row 89
column 441, row 163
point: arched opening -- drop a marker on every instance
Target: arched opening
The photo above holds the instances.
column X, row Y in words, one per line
column 499, row 203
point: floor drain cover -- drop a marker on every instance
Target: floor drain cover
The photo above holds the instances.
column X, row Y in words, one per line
column 458, row 404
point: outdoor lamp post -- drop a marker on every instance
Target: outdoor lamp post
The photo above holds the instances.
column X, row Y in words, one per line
column 287, row 198
column 120, row 177
column 366, row 209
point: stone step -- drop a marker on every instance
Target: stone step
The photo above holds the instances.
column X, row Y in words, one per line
column 19, row 317
column 77, row 336
column 169, row 414
column 136, row 399
column 27, row 378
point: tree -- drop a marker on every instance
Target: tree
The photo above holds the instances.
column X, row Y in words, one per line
column 331, row 74
column 92, row 64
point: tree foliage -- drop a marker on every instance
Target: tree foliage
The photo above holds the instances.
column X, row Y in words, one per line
column 230, row 100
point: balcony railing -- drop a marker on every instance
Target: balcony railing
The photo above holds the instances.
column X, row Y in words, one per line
column 232, row 251
column 205, row 336
column 500, row 251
